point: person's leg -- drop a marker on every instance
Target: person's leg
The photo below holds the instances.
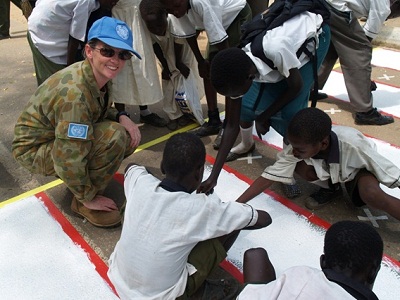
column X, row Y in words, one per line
column 325, row 194
column 371, row 194
column 37, row 160
column 111, row 145
column 247, row 117
column 205, row 257
column 327, row 66
column 257, row 268
column 281, row 120
column 234, row 34
column 4, row 19
column 355, row 54
column 44, row 68
column 214, row 123
column 170, row 106
column 148, row 117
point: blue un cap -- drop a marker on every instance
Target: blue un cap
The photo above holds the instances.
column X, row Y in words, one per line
column 114, row 33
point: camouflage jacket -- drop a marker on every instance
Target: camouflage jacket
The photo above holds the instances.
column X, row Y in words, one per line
column 63, row 111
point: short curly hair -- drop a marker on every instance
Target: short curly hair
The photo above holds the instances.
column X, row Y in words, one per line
column 349, row 245
column 311, row 125
column 183, row 153
column 229, row 68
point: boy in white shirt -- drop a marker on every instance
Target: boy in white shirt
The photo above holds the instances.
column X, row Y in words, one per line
column 350, row 263
column 327, row 157
column 172, row 238
column 221, row 20
column 176, row 59
column 256, row 92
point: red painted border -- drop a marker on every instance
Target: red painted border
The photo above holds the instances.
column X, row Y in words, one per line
column 297, row 209
column 74, row 235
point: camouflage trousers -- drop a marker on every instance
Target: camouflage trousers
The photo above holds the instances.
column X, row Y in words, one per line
column 110, row 146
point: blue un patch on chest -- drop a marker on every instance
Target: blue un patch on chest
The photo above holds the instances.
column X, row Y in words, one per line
column 78, row 131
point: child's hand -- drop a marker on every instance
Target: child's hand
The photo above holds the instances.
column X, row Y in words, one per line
column 262, row 127
column 207, row 187
column 185, row 71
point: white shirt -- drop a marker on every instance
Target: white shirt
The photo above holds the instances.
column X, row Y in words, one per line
column 214, row 16
column 376, row 12
column 159, row 231
column 355, row 152
column 300, row 283
column 53, row 21
column 281, row 44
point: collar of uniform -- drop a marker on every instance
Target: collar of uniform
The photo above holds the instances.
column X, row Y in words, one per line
column 172, row 186
column 333, row 157
column 354, row 288
column 87, row 73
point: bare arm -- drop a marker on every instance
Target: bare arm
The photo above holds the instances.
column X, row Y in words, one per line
column 256, row 188
column 231, row 131
column 180, row 65
column 73, row 45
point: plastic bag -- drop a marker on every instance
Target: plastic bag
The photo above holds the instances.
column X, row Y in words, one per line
column 187, row 97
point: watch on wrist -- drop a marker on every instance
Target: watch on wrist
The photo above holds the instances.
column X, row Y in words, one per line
column 122, row 113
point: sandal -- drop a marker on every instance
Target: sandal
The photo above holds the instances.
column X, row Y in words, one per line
column 291, row 190
column 234, row 156
column 322, row 197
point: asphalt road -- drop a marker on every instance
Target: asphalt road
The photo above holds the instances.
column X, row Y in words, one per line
column 17, row 84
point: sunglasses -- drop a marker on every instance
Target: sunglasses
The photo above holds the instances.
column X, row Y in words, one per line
column 109, row 52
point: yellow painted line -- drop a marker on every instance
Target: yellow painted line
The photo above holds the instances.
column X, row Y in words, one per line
column 32, row 192
column 164, row 137
column 59, row 181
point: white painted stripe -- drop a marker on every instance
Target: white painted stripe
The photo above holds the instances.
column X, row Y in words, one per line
column 386, row 97
column 291, row 239
column 39, row 261
column 386, row 58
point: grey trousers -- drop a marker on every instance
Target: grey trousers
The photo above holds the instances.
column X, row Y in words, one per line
column 350, row 44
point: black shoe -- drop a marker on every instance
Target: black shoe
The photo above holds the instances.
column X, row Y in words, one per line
column 373, row 86
column 220, row 289
column 373, row 117
column 181, row 121
column 4, row 36
column 208, row 129
column 153, row 119
column 322, row 197
column 218, row 139
column 234, row 156
column 184, row 120
column 320, row 95
column 172, row 125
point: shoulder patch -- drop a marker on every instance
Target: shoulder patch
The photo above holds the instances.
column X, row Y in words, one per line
column 78, row 131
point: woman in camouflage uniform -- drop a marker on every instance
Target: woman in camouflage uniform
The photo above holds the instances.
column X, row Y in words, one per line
column 69, row 130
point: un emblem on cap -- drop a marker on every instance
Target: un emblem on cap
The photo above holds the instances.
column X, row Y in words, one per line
column 122, row 31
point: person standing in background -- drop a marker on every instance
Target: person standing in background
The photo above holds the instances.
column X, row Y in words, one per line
column 139, row 82
column 26, row 7
column 55, row 31
column 352, row 44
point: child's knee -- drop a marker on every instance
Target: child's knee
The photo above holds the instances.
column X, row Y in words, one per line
column 372, row 195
